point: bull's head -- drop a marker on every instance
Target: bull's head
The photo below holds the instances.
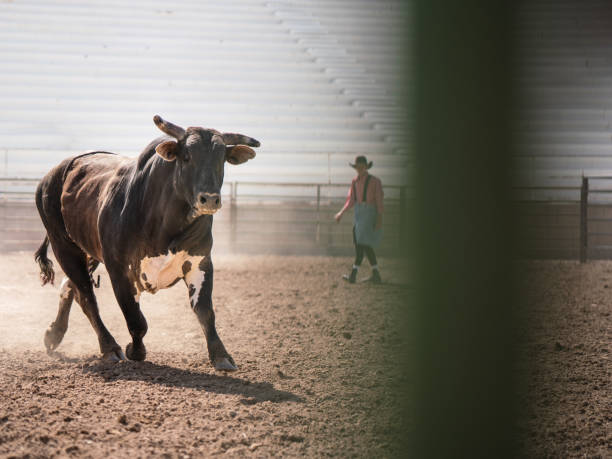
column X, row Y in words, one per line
column 200, row 155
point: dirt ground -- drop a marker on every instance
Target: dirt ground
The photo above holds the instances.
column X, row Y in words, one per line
column 565, row 404
column 316, row 372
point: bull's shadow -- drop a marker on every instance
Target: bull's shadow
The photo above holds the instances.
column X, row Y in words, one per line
column 154, row 373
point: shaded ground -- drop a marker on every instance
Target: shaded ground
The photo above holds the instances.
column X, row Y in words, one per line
column 316, row 374
column 566, row 403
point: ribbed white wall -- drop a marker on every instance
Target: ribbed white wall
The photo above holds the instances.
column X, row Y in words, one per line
column 565, row 81
column 317, row 82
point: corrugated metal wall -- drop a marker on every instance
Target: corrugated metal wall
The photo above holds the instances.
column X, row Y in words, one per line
column 564, row 130
column 315, row 81
column 565, row 82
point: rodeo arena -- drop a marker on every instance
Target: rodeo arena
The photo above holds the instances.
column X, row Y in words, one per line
column 290, row 125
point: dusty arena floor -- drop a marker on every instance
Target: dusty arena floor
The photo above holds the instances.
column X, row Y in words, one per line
column 565, row 405
column 316, row 375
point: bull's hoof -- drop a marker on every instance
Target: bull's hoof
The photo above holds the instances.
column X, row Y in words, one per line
column 53, row 338
column 116, row 355
column 225, row 364
column 136, row 353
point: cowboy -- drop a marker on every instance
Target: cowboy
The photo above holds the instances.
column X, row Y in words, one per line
column 366, row 195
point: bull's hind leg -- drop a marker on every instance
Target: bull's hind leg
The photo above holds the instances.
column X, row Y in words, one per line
column 74, row 263
column 56, row 331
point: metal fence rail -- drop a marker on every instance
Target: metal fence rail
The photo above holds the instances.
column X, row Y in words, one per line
column 595, row 217
column 298, row 218
column 547, row 227
column 579, row 228
column 288, row 218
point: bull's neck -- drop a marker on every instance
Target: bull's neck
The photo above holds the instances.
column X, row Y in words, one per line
column 162, row 211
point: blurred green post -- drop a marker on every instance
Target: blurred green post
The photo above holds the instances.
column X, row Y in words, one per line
column 461, row 374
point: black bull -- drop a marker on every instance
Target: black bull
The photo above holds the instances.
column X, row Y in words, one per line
column 148, row 219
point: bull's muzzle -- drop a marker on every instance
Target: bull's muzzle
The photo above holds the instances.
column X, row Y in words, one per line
column 208, row 203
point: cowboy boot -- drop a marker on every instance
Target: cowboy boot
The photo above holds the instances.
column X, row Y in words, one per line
column 351, row 278
column 375, row 277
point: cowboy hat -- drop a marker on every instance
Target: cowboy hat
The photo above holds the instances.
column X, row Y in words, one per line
column 361, row 160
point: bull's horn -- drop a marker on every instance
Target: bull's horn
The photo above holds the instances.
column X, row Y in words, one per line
column 171, row 129
column 238, row 139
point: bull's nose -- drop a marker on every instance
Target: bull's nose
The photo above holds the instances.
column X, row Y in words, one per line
column 209, row 201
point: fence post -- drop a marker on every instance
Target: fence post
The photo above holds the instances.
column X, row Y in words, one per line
column 584, row 199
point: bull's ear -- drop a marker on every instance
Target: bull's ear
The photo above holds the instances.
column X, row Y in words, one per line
column 167, row 150
column 238, row 154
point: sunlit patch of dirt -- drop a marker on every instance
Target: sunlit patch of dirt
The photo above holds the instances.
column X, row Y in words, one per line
column 316, row 371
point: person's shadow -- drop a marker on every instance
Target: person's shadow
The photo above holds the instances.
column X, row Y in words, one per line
column 164, row 375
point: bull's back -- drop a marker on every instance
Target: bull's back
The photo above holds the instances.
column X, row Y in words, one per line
column 88, row 182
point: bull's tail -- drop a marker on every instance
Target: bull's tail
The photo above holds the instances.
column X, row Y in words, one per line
column 47, row 275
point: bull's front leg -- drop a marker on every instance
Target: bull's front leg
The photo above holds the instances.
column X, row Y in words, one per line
column 199, row 281
column 128, row 298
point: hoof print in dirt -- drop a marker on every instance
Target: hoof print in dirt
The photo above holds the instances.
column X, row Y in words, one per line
column 224, row 364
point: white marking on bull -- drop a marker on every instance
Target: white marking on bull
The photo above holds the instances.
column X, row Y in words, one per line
column 64, row 288
column 160, row 272
column 194, row 280
column 197, row 212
